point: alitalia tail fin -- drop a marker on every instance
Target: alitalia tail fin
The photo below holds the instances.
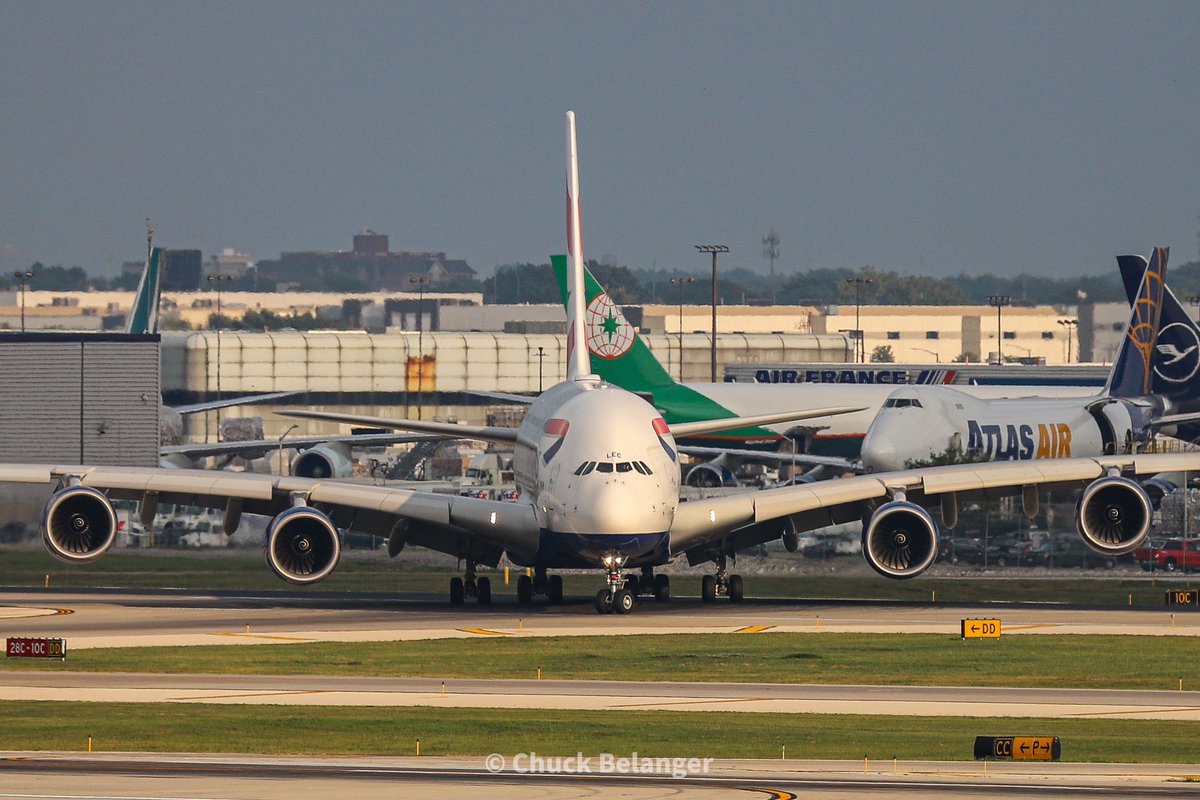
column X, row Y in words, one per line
column 143, row 316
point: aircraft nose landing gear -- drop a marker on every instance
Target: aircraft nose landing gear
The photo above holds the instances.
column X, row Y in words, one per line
column 614, row 599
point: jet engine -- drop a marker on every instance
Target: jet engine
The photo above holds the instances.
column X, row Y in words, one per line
column 1113, row 515
column 900, row 540
column 1157, row 489
column 78, row 524
column 323, row 461
column 302, row 545
column 710, row 475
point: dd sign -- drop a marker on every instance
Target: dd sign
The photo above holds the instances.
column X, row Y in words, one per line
column 981, row 629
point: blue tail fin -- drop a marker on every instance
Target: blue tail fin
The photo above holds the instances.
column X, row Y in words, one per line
column 1132, row 372
column 1176, row 361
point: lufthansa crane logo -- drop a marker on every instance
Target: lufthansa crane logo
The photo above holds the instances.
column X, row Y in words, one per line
column 608, row 334
column 1177, row 353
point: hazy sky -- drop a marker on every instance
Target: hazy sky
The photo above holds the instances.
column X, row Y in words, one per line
column 920, row 137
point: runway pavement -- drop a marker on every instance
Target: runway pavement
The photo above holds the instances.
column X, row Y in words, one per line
column 148, row 618
column 129, row 619
column 71, row 776
column 599, row 695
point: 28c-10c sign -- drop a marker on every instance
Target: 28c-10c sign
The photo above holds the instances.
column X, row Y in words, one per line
column 24, row 647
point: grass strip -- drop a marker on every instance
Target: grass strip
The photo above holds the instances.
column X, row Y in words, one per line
column 1053, row 661
column 167, row 727
column 373, row 572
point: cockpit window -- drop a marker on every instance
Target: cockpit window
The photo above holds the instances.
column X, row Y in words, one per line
column 902, row 402
column 588, row 467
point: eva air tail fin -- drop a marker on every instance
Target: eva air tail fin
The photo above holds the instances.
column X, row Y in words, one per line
column 618, row 354
column 143, row 316
column 1133, row 370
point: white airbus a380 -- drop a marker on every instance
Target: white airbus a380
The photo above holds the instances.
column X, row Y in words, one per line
column 600, row 489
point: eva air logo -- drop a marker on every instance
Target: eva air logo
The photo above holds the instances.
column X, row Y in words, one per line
column 608, row 334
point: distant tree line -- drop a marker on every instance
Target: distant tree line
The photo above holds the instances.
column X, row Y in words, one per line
column 534, row 283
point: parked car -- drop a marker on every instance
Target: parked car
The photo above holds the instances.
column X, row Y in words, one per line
column 823, row 548
column 1174, row 554
column 1146, row 556
column 1071, row 551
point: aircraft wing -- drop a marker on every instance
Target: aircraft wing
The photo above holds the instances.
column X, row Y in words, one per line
column 776, row 457
column 754, row 517
column 520, row 399
column 446, row 523
column 257, row 448
column 680, row 429
column 485, row 433
column 244, row 400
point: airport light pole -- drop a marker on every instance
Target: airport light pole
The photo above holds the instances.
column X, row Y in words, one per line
column 281, row 438
column 420, row 281
column 24, row 276
column 936, row 358
column 1070, row 325
column 860, row 348
column 714, row 249
column 999, row 301
column 541, row 356
column 216, row 280
column 681, row 282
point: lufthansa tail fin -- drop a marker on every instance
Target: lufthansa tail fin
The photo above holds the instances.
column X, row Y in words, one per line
column 1176, row 361
column 143, row 316
column 1133, row 369
column 578, row 363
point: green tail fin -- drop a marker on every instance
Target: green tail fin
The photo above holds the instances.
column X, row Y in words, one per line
column 143, row 316
column 618, row 354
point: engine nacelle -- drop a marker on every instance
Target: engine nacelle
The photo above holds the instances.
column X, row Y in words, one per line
column 1157, row 489
column 302, row 545
column 1113, row 515
column 710, row 475
column 900, row 540
column 78, row 524
column 323, row 461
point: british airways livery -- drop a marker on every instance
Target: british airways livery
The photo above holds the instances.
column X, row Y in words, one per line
column 598, row 471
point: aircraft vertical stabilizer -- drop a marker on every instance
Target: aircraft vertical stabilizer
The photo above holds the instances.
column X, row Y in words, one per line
column 143, row 316
column 619, row 354
column 578, row 363
column 1132, row 372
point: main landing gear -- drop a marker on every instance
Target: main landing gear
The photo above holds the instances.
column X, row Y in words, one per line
column 470, row 586
column 714, row 586
column 649, row 583
column 549, row 586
